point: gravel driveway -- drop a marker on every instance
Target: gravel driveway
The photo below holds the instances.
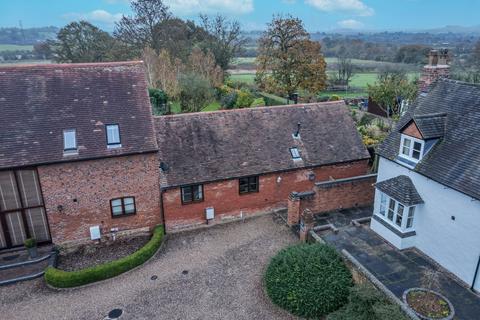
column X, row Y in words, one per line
column 213, row 273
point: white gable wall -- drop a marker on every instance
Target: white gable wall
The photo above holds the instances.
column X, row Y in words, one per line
column 455, row 244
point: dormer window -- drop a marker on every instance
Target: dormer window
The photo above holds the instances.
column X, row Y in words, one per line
column 69, row 140
column 295, row 153
column 411, row 148
column 113, row 136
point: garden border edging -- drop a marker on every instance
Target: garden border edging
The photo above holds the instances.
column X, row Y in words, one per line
column 160, row 248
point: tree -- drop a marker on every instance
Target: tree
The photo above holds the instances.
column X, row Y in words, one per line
column 179, row 37
column 82, row 42
column 476, row 57
column 163, row 71
column 288, row 60
column 196, row 92
column 225, row 39
column 345, row 71
column 412, row 54
column 43, row 50
column 203, row 64
column 138, row 31
column 390, row 89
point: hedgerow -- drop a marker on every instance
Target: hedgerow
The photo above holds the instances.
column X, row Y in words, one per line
column 310, row 281
column 67, row 279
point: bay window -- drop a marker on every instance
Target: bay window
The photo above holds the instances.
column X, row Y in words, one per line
column 396, row 214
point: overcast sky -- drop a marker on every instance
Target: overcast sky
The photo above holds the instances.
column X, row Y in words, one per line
column 318, row 15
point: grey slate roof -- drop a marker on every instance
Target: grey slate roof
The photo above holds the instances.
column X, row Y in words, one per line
column 454, row 160
column 431, row 125
column 402, row 189
column 211, row 146
column 38, row 102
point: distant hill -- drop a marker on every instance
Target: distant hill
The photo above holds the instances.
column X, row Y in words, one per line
column 27, row 36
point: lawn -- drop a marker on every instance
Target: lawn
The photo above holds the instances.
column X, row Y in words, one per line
column 15, row 47
column 243, row 77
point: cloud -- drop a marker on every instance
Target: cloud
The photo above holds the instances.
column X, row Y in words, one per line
column 100, row 16
column 350, row 24
column 352, row 6
column 210, row 6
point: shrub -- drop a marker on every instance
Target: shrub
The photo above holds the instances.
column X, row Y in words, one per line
column 65, row 279
column 367, row 303
column 308, row 280
column 30, row 243
column 196, row 92
column 259, row 102
column 158, row 99
column 272, row 100
column 334, row 97
column 229, row 101
column 244, row 99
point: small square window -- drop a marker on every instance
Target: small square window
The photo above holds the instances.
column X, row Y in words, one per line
column 192, row 193
column 295, row 153
column 248, row 184
column 113, row 135
column 406, row 147
column 123, row 206
column 69, row 140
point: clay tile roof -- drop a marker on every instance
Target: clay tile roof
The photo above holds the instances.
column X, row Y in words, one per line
column 211, row 146
column 402, row 189
column 454, row 159
column 39, row 101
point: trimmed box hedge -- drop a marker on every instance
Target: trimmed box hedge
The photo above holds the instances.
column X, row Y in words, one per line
column 68, row 279
column 309, row 281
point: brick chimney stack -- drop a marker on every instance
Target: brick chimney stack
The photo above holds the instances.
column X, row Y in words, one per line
column 437, row 67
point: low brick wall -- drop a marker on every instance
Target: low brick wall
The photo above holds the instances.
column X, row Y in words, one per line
column 333, row 195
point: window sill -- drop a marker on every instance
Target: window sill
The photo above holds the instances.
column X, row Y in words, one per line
column 124, row 215
column 114, row 146
column 191, row 202
column 69, row 153
column 400, row 233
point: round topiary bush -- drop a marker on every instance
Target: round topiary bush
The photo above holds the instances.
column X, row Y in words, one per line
column 308, row 280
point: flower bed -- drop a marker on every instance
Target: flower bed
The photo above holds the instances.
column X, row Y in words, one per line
column 67, row 279
column 428, row 304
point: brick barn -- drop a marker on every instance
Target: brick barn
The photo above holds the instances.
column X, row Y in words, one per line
column 82, row 157
column 77, row 150
column 233, row 164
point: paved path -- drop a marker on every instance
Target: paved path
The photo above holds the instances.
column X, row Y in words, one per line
column 401, row 270
column 224, row 263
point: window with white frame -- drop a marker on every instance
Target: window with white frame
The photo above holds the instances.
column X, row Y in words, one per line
column 411, row 148
column 383, row 204
column 113, row 135
column 395, row 213
column 69, row 140
column 295, row 153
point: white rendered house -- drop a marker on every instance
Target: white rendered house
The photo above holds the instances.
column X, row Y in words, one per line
column 428, row 187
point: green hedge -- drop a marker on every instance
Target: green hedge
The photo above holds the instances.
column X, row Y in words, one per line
column 273, row 100
column 67, row 279
column 309, row 281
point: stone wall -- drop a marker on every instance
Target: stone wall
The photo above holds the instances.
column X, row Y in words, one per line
column 77, row 195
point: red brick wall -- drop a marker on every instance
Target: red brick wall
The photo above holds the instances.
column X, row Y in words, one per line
column 412, row 131
column 92, row 184
column 342, row 195
column 228, row 203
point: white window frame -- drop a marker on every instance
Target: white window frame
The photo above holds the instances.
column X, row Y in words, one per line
column 411, row 148
column 109, row 129
column 70, row 148
column 295, row 153
column 400, row 211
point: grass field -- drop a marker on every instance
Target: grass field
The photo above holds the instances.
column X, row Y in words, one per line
column 360, row 80
column 14, row 47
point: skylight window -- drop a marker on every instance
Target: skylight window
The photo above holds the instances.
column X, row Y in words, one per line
column 69, row 140
column 113, row 136
column 295, row 153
